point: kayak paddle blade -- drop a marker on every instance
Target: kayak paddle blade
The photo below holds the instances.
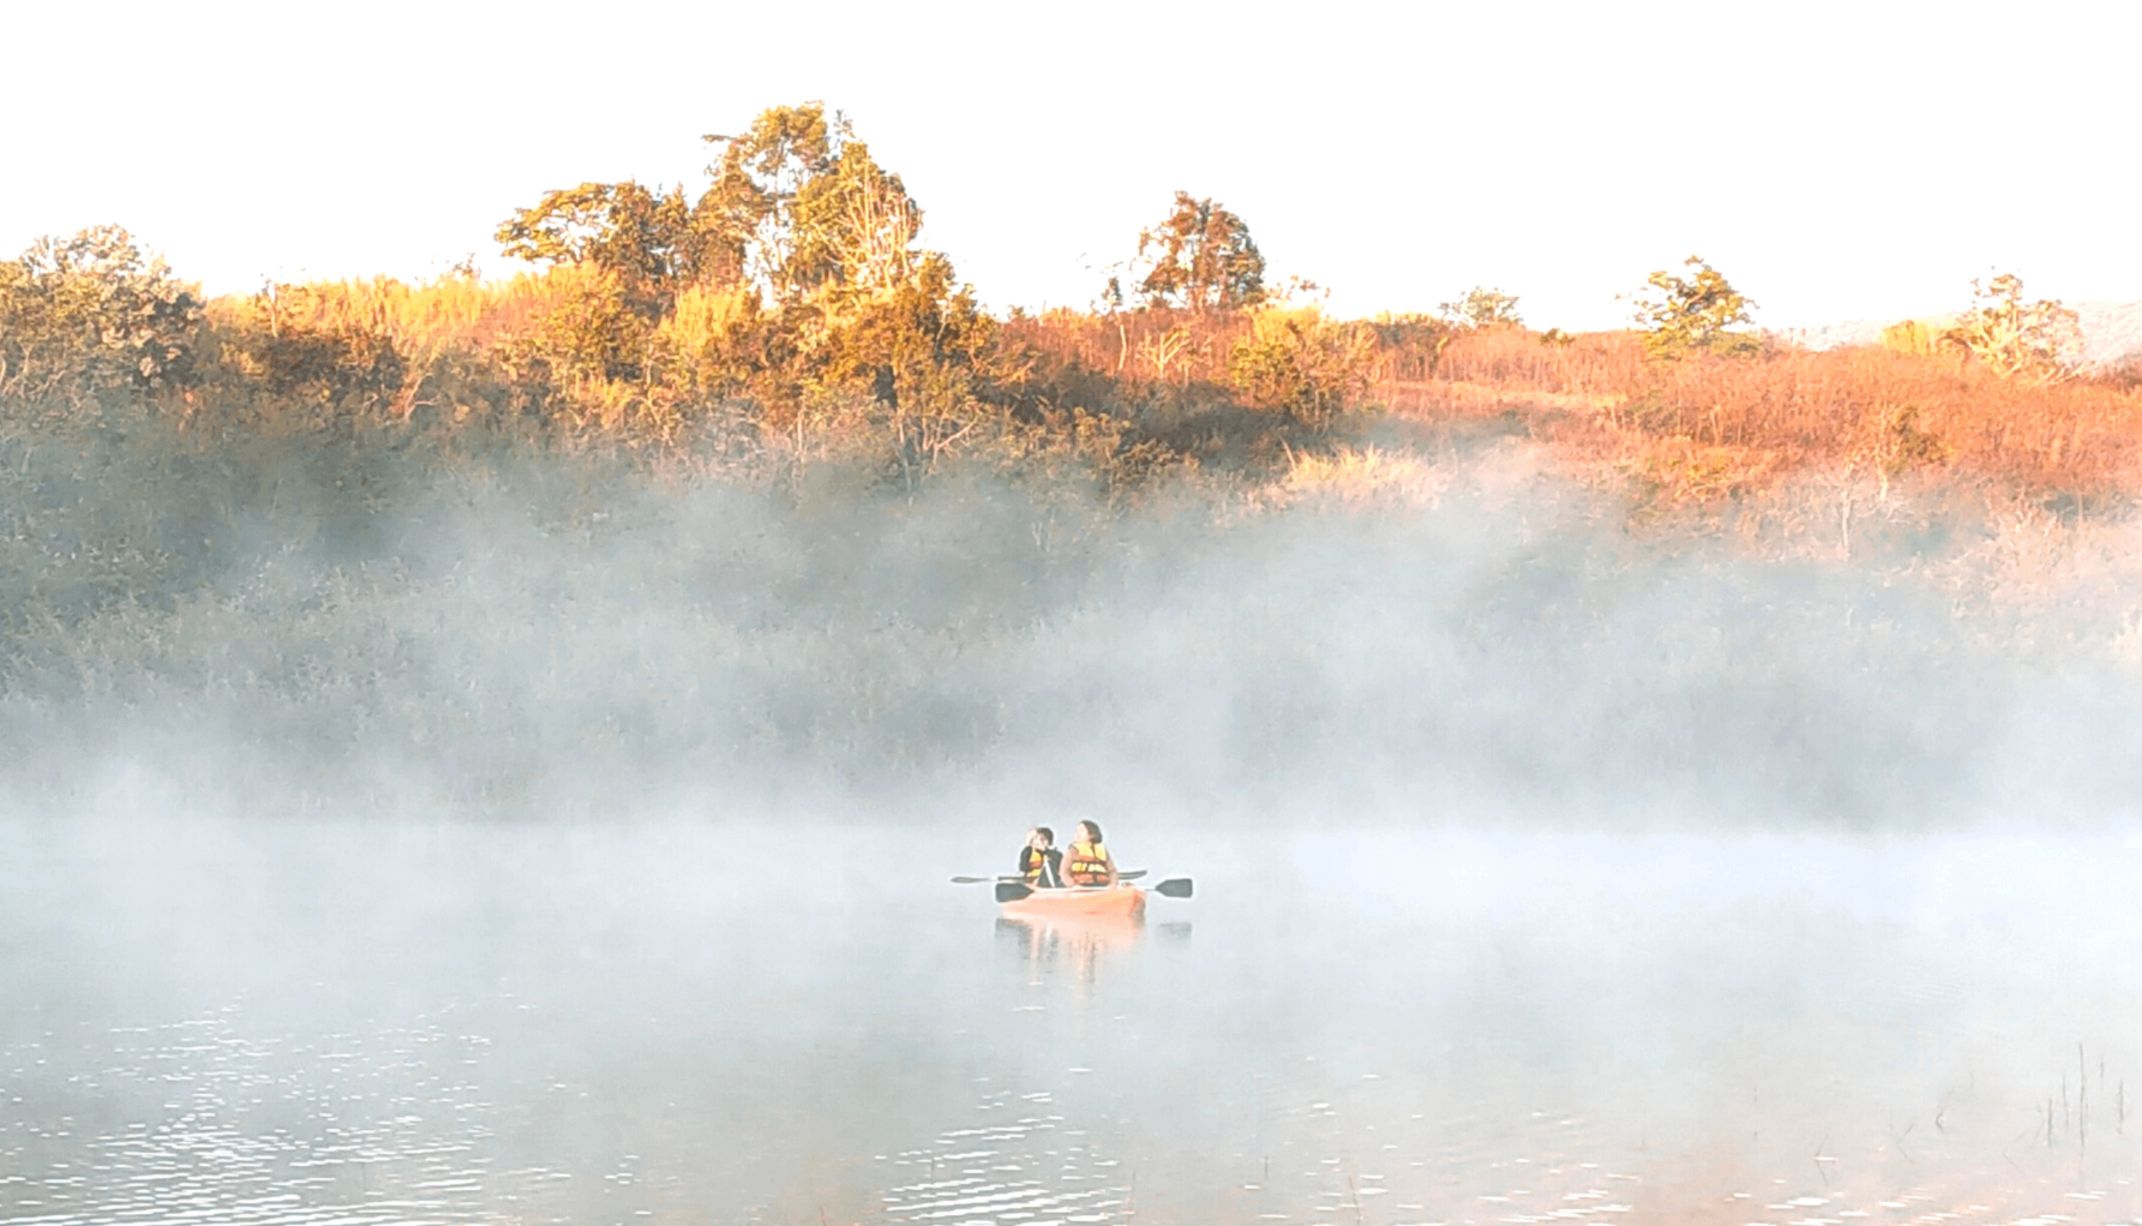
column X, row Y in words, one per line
column 1012, row 891
column 1173, row 887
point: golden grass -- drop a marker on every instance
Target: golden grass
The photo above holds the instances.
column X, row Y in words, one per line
column 1363, row 476
column 1711, row 426
column 452, row 313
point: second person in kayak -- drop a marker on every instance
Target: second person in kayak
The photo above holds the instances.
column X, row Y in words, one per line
column 1086, row 861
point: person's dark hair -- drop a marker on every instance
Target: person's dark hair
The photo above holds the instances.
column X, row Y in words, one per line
column 1048, row 835
column 1095, row 828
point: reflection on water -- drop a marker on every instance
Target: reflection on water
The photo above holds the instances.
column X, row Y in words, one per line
column 1039, row 1166
column 1078, row 946
column 1033, row 1167
column 1554, row 1030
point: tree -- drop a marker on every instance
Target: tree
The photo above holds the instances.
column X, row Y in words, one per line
column 1201, row 258
column 1482, row 307
column 1693, row 313
column 808, row 217
column 2039, row 341
column 793, row 205
column 794, row 279
column 921, row 350
column 748, row 212
column 855, row 226
column 92, row 313
column 620, row 255
column 646, row 240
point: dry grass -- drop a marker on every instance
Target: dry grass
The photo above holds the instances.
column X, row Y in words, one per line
column 453, row 313
column 1363, row 477
column 1698, row 429
column 1707, row 427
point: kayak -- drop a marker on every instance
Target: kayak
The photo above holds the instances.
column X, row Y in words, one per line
column 1119, row 899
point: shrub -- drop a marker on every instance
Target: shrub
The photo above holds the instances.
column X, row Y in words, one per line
column 1913, row 336
column 718, row 344
column 1411, row 345
column 2039, row 341
column 91, row 313
column 1297, row 362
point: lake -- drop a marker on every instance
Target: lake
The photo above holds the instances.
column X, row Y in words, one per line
column 341, row 1024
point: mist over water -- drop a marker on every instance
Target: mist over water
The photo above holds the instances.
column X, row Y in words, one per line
column 468, row 1022
column 564, row 844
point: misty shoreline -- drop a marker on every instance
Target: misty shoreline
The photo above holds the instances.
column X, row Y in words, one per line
column 1461, row 636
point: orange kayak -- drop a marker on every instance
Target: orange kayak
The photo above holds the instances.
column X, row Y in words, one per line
column 1119, row 899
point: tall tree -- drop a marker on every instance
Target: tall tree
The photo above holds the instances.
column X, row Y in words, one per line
column 1201, row 258
column 748, row 212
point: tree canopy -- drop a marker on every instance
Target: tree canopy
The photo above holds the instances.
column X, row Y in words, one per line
column 91, row 312
column 1696, row 312
column 1483, row 307
column 1200, row 258
column 793, row 206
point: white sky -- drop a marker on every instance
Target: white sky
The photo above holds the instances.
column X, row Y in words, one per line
column 1837, row 161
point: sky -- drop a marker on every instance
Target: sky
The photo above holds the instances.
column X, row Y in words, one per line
column 1837, row 162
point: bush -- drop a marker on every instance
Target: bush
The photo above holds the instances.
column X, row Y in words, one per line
column 1297, row 362
column 1412, row 345
column 91, row 313
column 304, row 345
column 2037, row 341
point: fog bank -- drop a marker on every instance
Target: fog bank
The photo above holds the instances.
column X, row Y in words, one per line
column 565, row 638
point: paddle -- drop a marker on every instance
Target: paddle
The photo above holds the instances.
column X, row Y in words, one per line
column 1130, row 876
column 1173, row 887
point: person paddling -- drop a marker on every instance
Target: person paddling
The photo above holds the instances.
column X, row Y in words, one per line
column 1039, row 861
column 1088, row 861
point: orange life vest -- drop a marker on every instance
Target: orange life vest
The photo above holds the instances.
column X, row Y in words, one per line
column 1034, row 863
column 1086, row 864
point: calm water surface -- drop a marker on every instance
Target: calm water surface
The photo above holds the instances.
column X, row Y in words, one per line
column 344, row 1025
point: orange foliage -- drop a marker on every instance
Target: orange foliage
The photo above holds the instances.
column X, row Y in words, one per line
column 1696, row 429
column 1863, row 408
column 1701, row 427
